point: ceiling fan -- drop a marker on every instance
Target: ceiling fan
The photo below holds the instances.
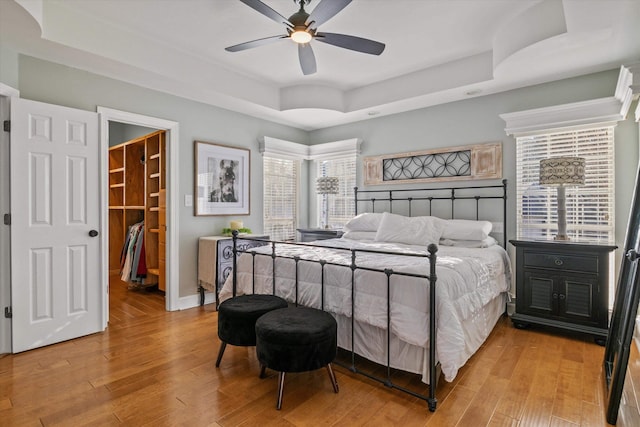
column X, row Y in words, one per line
column 302, row 27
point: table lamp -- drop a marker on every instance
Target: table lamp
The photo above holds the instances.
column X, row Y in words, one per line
column 562, row 172
column 326, row 185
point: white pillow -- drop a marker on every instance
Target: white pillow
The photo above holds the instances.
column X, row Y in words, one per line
column 488, row 242
column 419, row 230
column 359, row 235
column 367, row 221
column 464, row 229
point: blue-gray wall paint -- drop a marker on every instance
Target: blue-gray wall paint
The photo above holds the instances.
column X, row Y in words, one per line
column 477, row 120
column 470, row 121
column 57, row 84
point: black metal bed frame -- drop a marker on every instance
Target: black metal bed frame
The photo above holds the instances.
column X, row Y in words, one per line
column 449, row 195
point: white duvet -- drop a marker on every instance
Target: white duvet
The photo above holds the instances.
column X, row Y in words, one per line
column 467, row 280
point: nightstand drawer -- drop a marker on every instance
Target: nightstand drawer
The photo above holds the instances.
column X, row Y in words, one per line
column 583, row 263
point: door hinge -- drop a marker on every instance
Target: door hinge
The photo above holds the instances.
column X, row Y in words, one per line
column 7, row 219
column 8, row 313
column 6, row 125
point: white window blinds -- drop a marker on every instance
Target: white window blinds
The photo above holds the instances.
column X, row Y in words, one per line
column 341, row 206
column 590, row 208
column 281, row 177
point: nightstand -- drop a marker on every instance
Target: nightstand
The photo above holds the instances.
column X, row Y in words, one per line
column 311, row 234
column 563, row 285
column 215, row 260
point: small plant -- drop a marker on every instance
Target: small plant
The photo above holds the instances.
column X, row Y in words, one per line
column 227, row 231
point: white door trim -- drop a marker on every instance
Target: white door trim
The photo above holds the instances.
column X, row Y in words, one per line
column 172, row 263
column 6, row 93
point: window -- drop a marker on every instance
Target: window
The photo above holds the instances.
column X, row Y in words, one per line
column 280, row 182
column 590, row 208
column 341, row 206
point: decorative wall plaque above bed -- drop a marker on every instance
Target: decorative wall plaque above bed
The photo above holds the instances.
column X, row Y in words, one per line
column 478, row 161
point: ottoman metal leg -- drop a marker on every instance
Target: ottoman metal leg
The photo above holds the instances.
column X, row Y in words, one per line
column 223, row 345
column 334, row 382
column 280, row 389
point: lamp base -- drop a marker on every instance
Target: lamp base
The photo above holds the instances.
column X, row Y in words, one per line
column 562, row 237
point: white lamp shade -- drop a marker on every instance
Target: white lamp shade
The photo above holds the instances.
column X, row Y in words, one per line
column 562, row 171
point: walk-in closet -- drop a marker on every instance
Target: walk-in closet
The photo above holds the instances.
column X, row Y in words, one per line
column 137, row 211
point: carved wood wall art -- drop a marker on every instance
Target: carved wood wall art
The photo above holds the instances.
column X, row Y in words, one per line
column 469, row 162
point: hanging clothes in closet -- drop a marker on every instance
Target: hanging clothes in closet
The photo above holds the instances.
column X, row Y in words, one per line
column 133, row 267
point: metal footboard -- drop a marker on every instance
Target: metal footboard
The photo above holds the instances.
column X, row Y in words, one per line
column 430, row 278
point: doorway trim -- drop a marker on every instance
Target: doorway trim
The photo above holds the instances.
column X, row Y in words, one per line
column 172, row 265
column 6, row 93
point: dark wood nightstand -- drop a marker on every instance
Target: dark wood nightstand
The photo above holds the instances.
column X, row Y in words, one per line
column 563, row 285
column 311, row 234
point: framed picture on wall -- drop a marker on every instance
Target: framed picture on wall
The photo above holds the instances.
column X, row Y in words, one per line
column 221, row 179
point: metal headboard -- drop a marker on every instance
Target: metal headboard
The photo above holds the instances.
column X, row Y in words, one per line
column 437, row 197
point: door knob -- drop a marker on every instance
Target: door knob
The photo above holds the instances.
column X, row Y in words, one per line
column 93, row 233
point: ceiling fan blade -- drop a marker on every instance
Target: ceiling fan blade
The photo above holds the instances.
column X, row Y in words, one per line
column 351, row 42
column 326, row 10
column 253, row 43
column 307, row 59
column 258, row 6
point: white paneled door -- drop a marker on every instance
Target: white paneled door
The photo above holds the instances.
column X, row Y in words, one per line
column 55, row 203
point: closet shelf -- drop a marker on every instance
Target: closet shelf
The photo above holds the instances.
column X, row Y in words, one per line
column 116, row 170
column 154, row 230
column 154, row 209
column 139, row 208
column 153, row 271
column 121, row 185
column 154, row 194
column 116, row 207
column 154, row 156
column 155, row 175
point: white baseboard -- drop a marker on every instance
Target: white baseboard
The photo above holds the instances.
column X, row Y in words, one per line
column 192, row 301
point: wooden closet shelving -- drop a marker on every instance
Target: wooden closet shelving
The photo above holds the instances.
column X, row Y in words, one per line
column 137, row 183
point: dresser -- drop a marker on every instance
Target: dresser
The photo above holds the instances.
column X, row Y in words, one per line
column 563, row 285
column 311, row 234
column 215, row 260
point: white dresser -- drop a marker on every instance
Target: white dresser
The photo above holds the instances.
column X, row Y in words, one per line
column 215, row 260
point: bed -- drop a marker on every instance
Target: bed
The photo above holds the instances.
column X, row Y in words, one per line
column 385, row 278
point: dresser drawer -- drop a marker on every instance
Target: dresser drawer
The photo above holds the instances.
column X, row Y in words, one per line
column 583, row 263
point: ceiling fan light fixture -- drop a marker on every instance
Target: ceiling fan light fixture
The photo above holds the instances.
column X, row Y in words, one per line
column 301, row 36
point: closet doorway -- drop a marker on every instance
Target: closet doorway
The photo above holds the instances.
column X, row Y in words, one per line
column 154, row 186
column 137, row 207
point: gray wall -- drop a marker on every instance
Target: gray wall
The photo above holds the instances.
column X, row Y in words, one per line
column 477, row 120
column 470, row 121
column 57, row 84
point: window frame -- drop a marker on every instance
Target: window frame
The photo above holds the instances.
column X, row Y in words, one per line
column 590, row 208
column 281, row 228
column 342, row 205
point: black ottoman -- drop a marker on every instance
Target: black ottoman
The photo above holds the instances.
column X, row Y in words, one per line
column 237, row 319
column 296, row 339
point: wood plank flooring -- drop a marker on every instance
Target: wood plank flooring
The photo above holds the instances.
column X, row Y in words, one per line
column 154, row 368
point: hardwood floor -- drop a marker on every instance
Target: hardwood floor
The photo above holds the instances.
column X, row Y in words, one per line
column 151, row 367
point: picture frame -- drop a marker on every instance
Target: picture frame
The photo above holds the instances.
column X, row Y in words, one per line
column 221, row 179
column 623, row 316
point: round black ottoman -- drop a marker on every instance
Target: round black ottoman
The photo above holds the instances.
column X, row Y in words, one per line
column 296, row 339
column 237, row 319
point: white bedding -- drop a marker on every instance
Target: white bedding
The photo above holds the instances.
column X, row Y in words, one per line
column 469, row 280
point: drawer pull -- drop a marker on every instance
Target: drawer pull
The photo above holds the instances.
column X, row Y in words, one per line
column 558, row 261
column 562, row 296
column 554, row 295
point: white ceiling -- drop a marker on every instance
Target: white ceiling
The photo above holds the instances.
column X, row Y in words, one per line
column 437, row 51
